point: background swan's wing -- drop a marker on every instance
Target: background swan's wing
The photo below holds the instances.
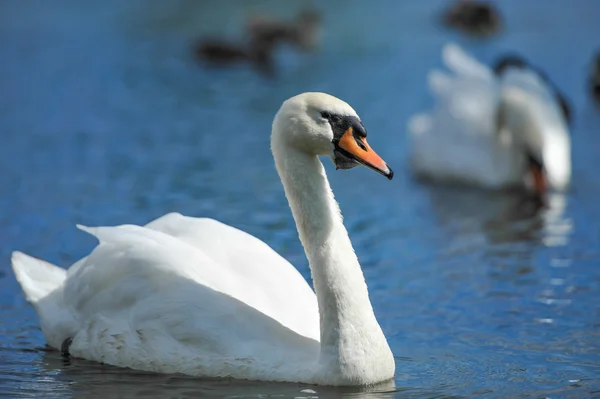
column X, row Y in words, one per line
column 456, row 138
column 468, row 97
column 533, row 112
column 530, row 81
column 462, row 64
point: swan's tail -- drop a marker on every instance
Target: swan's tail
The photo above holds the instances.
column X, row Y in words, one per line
column 37, row 278
column 42, row 284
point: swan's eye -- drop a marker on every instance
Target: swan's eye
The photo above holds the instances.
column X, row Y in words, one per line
column 326, row 115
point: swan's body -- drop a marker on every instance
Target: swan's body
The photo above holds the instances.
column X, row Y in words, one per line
column 488, row 128
column 199, row 297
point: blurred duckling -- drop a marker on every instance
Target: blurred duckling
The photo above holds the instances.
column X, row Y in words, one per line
column 258, row 52
column 493, row 128
column 303, row 33
column 474, row 17
column 595, row 78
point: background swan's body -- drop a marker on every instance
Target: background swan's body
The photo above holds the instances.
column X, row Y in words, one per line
column 202, row 298
column 486, row 128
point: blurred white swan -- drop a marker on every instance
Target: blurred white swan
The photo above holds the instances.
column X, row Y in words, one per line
column 492, row 128
column 196, row 296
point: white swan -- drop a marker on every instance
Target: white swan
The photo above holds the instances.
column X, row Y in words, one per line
column 492, row 128
column 199, row 297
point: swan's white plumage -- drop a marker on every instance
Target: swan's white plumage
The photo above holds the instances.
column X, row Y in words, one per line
column 150, row 298
column 196, row 296
column 261, row 274
column 477, row 129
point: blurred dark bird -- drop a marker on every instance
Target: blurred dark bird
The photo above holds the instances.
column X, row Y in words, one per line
column 219, row 52
column 475, row 17
column 595, row 78
column 264, row 35
column 302, row 33
column 222, row 52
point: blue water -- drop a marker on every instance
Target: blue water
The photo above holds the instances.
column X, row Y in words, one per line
column 105, row 118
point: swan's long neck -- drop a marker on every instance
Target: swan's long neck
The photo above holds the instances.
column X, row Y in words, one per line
column 351, row 339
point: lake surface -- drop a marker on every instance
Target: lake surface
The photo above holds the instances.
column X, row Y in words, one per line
column 106, row 118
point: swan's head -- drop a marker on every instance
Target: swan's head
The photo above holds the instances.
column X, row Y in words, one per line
column 320, row 124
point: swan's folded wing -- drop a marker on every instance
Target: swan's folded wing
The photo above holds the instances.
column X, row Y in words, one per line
column 147, row 300
column 465, row 103
column 240, row 265
column 462, row 64
column 455, row 138
column 531, row 84
column 132, row 263
column 285, row 296
column 469, row 97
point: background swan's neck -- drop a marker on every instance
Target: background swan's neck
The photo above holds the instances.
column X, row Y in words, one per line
column 352, row 342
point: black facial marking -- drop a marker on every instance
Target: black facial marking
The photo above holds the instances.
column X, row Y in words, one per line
column 344, row 159
column 341, row 123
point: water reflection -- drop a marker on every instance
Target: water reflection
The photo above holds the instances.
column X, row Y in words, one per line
column 92, row 380
column 557, row 228
column 512, row 230
column 509, row 228
column 503, row 217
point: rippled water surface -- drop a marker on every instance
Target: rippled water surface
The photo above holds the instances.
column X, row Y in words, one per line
column 105, row 118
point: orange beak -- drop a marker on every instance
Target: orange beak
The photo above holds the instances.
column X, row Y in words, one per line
column 358, row 149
